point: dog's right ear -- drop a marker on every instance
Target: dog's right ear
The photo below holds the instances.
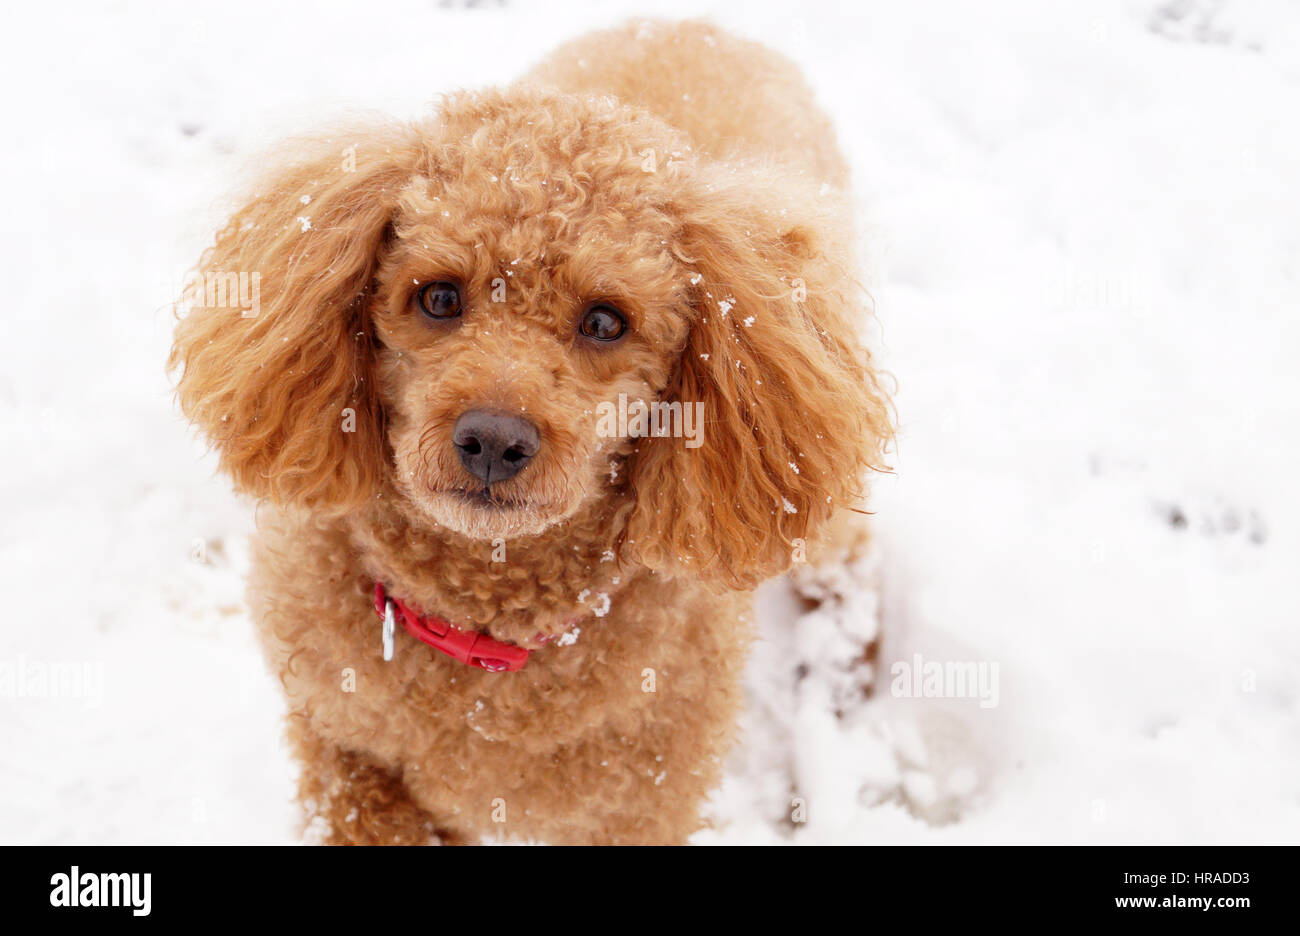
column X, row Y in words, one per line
column 275, row 353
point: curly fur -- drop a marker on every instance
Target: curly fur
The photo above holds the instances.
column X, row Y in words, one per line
column 674, row 171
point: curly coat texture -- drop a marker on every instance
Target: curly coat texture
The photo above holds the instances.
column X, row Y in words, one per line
column 675, row 172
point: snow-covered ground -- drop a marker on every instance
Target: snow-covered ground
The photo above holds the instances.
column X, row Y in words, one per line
column 1083, row 232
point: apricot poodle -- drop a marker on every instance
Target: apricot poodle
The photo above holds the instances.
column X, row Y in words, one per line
column 504, row 578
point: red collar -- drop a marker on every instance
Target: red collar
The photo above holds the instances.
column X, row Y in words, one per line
column 470, row 647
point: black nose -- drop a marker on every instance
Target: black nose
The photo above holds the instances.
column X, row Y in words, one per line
column 494, row 446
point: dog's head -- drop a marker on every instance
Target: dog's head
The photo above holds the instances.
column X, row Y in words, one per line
column 496, row 314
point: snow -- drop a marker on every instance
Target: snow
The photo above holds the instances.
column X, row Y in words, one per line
column 1082, row 243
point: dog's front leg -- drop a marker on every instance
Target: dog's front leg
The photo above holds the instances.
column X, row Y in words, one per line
column 349, row 800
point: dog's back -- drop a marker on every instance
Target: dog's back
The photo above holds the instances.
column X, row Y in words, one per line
column 729, row 95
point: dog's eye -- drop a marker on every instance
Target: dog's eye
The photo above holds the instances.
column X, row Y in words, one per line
column 439, row 300
column 603, row 323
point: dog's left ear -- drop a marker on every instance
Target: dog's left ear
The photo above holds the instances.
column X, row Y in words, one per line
column 794, row 413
